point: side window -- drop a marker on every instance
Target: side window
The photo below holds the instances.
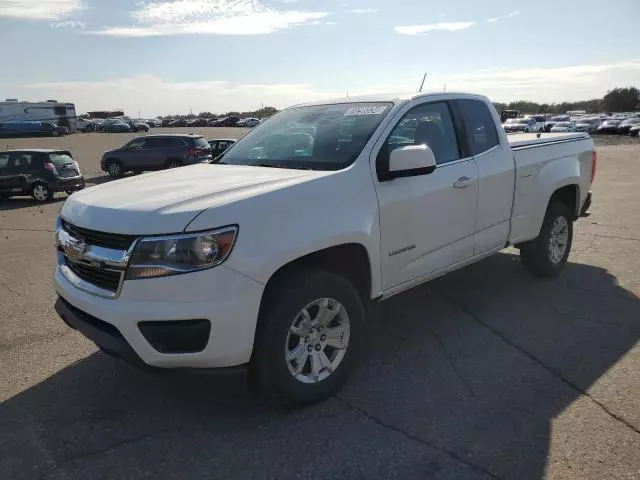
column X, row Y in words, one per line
column 175, row 143
column 138, row 144
column 155, row 143
column 428, row 124
column 481, row 128
column 4, row 160
column 22, row 160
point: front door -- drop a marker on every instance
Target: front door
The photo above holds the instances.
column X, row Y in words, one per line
column 427, row 221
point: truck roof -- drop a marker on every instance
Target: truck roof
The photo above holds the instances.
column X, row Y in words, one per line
column 393, row 98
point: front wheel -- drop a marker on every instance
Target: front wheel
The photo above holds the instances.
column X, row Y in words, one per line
column 174, row 164
column 41, row 192
column 54, row 133
column 547, row 255
column 307, row 338
column 115, row 168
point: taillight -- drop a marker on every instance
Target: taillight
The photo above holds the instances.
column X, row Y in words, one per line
column 594, row 164
column 51, row 167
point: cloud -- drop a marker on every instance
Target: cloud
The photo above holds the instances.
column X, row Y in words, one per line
column 210, row 17
column 155, row 96
column 422, row 29
column 68, row 24
column 39, row 9
column 364, row 10
column 502, row 17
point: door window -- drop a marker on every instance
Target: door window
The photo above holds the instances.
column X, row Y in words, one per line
column 155, row 143
column 427, row 124
column 22, row 161
column 480, row 125
column 138, row 144
column 4, row 160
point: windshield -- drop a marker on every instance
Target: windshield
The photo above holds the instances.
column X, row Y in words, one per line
column 321, row 137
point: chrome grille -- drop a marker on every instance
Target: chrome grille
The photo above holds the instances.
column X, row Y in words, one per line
column 116, row 241
column 100, row 277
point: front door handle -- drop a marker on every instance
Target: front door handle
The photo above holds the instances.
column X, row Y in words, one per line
column 463, row 182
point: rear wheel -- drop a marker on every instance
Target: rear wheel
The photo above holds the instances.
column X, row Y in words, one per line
column 547, row 255
column 54, row 133
column 115, row 168
column 174, row 163
column 307, row 338
column 41, row 192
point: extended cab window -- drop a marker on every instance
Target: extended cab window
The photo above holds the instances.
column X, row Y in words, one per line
column 480, row 126
column 428, row 124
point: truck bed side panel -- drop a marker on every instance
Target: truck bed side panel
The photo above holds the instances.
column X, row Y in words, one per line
column 541, row 169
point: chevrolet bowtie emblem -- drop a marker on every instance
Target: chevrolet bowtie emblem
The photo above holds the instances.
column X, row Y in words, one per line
column 74, row 249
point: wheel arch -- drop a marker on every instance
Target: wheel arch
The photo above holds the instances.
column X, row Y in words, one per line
column 349, row 260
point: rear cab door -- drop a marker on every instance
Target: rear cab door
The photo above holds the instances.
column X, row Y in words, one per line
column 20, row 170
column 132, row 155
column 427, row 221
column 496, row 173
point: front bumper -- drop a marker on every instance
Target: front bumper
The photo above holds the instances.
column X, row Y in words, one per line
column 228, row 300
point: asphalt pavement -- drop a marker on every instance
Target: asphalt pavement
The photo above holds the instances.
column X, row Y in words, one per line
column 485, row 373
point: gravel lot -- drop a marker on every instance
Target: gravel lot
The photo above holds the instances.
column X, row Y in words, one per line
column 483, row 374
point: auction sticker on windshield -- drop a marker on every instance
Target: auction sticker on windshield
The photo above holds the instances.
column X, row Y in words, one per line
column 365, row 110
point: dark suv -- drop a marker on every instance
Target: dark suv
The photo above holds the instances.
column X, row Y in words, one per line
column 39, row 173
column 155, row 152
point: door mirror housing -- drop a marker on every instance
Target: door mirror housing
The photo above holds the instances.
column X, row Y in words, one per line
column 410, row 161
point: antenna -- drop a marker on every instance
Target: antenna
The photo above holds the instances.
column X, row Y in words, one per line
column 423, row 79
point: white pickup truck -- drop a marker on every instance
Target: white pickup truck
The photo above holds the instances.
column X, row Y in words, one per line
column 269, row 258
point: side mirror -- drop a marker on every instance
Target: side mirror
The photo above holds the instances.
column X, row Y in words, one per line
column 410, row 161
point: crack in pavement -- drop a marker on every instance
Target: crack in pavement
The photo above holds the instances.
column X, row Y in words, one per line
column 415, row 438
column 26, row 230
column 539, row 362
column 609, row 236
column 562, row 313
column 108, row 448
column 453, row 365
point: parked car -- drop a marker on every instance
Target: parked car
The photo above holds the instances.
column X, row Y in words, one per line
column 138, row 126
column 198, row 122
column 248, row 122
column 219, row 145
column 564, row 127
column 227, row 122
column 39, row 173
column 155, row 152
column 166, row 122
column 540, row 121
column 181, row 122
column 14, row 129
column 212, row 122
column 240, row 263
column 553, row 120
column 625, row 125
column 588, row 124
column 609, row 126
column 112, row 125
column 526, row 125
column 83, row 124
column 634, row 131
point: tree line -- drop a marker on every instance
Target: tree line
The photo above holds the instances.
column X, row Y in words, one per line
column 617, row 100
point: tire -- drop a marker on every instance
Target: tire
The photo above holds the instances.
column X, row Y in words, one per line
column 54, row 133
column 546, row 256
column 282, row 310
column 41, row 192
column 115, row 168
column 173, row 163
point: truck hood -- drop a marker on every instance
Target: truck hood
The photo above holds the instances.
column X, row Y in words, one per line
column 166, row 201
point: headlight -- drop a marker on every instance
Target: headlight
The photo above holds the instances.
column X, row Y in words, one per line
column 174, row 254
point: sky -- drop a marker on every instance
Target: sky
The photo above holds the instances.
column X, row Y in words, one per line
column 175, row 56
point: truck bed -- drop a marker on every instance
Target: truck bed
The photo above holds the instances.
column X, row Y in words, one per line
column 522, row 140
